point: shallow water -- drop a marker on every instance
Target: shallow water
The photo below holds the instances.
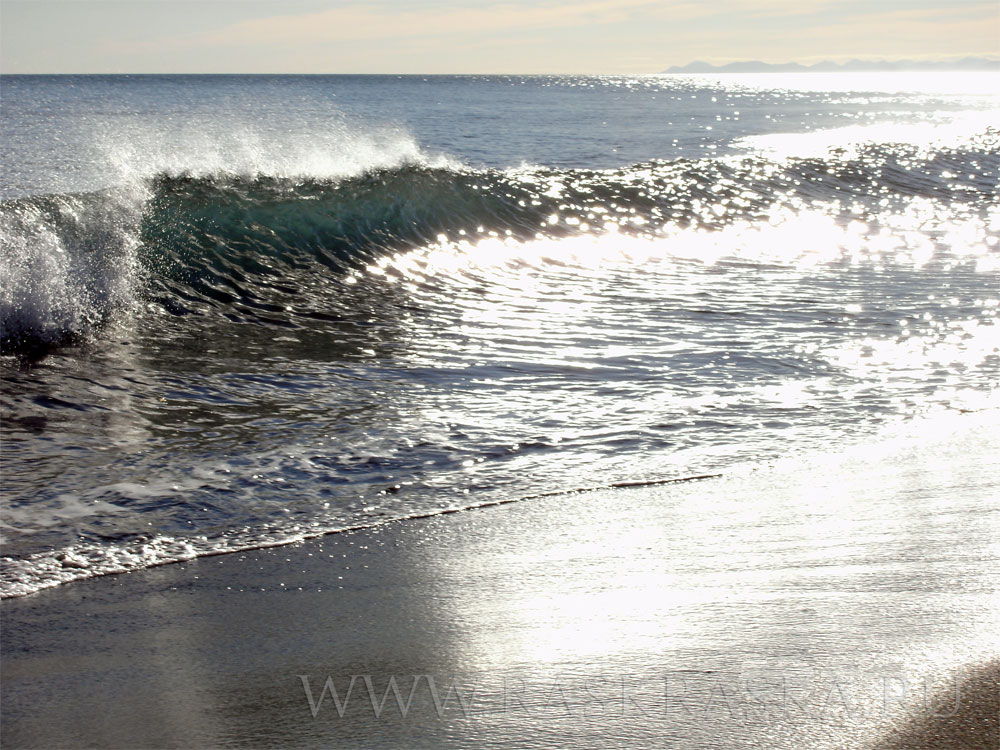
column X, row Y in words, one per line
column 836, row 600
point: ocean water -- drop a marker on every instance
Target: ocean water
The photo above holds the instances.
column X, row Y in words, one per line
column 239, row 311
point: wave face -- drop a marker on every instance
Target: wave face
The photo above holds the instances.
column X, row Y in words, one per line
column 219, row 341
column 225, row 241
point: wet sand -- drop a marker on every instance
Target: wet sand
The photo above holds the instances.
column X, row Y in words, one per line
column 835, row 602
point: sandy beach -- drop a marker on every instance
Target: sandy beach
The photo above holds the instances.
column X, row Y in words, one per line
column 833, row 601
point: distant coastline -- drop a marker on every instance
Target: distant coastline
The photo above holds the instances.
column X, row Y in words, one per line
column 851, row 66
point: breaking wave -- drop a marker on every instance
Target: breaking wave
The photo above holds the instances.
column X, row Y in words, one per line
column 245, row 244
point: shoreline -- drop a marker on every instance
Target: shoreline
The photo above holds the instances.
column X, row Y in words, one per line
column 832, row 603
column 361, row 527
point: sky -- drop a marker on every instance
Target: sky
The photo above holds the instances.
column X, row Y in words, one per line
column 461, row 36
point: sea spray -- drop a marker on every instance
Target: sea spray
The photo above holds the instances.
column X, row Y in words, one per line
column 69, row 262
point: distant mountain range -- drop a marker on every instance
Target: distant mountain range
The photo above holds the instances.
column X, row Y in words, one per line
column 851, row 66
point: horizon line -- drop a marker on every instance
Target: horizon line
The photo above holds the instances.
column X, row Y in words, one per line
column 991, row 59
column 498, row 73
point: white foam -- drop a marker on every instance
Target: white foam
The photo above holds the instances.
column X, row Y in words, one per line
column 65, row 275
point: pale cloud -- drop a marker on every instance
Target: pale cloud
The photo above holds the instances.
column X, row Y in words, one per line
column 988, row 12
column 361, row 22
column 941, row 33
column 367, row 23
column 972, row 30
column 485, row 36
column 760, row 8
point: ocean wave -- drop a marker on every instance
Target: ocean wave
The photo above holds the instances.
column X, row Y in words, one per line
column 247, row 243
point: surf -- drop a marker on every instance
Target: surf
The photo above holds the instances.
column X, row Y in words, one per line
column 202, row 242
